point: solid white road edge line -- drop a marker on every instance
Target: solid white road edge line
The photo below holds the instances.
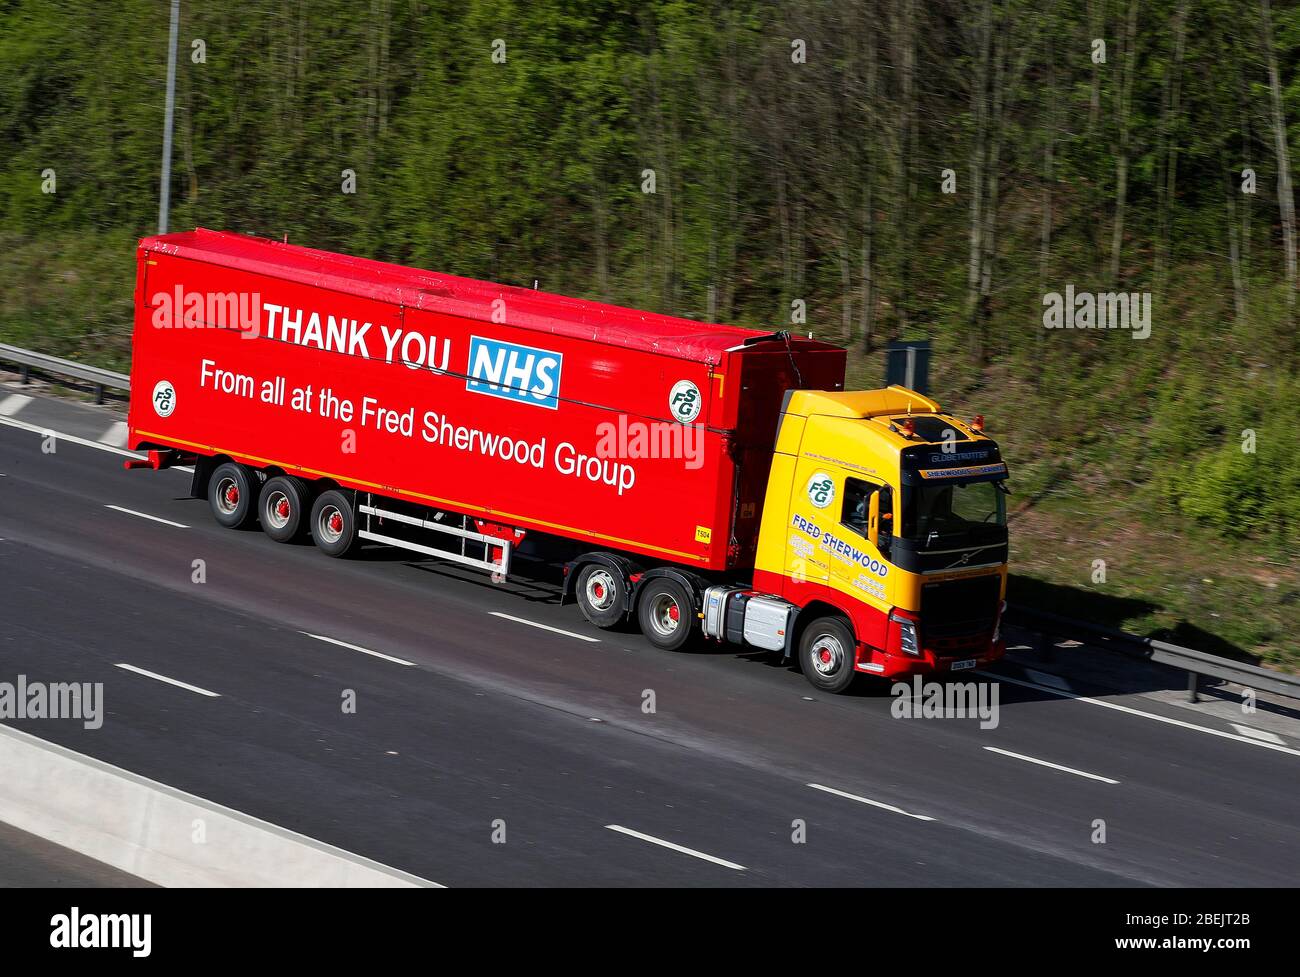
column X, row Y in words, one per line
column 1054, row 766
column 84, row 442
column 71, row 438
column 544, row 627
column 145, row 515
column 668, row 844
column 364, row 651
column 867, row 800
column 1145, row 715
column 170, row 681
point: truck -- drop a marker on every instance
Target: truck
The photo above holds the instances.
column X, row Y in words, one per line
column 707, row 483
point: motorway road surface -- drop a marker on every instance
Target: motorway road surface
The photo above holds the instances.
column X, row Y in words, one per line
column 482, row 715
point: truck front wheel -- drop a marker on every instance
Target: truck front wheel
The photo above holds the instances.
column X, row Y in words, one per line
column 665, row 614
column 334, row 524
column 232, row 494
column 826, row 654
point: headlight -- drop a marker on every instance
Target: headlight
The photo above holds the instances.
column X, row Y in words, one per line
column 997, row 628
column 907, row 638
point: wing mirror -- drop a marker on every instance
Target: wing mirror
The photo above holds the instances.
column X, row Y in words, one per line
column 873, row 520
column 880, row 524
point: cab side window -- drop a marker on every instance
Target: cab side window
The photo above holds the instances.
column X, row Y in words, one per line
column 857, row 504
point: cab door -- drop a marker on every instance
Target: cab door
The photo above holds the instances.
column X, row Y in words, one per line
column 856, row 566
column 814, row 511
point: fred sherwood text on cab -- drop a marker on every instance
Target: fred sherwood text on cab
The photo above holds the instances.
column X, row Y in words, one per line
column 53, row 700
column 98, row 931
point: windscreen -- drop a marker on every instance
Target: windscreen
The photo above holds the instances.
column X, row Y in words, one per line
column 954, row 514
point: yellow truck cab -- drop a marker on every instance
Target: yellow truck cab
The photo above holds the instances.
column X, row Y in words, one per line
column 884, row 526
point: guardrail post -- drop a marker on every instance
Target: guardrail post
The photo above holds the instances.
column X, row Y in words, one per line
column 1193, row 687
column 25, row 372
column 99, row 393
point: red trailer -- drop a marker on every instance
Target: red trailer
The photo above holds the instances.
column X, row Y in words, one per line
column 529, row 412
column 676, row 466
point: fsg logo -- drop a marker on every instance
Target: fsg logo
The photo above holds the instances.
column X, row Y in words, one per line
column 522, row 373
column 821, row 490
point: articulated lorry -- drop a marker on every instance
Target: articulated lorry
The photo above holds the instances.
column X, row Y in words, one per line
column 706, row 482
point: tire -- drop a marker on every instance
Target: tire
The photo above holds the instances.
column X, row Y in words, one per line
column 281, row 505
column 666, row 614
column 602, row 595
column 334, row 524
column 826, row 654
column 232, row 495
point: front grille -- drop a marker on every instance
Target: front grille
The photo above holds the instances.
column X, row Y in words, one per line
column 957, row 613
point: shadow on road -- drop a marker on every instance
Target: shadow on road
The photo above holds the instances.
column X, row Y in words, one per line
column 1095, row 669
column 1116, row 612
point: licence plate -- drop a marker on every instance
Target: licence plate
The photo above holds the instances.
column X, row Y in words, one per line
column 968, row 663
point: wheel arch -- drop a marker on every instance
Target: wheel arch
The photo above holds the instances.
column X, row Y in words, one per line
column 695, row 585
column 626, row 567
column 810, row 612
column 207, row 464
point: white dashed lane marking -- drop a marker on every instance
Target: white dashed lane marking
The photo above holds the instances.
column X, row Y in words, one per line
column 115, row 435
column 1054, row 766
column 12, row 404
column 544, row 627
column 145, row 515
column 364, row 651
column 678, row 848
column 170, row 681
column 1262, row 735
column 867, row 800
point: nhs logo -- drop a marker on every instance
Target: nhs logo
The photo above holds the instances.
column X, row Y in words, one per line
column 522, row 373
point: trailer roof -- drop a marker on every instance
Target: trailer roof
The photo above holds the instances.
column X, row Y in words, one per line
column 449, row 294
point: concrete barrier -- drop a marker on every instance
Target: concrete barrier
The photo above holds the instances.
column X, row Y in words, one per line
column 150, row 830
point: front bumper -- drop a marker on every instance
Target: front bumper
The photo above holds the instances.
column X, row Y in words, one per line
column 877, row 661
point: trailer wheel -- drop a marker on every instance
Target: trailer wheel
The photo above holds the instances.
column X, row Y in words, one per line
column 602, row 595
column 232, row 495
column 826, row 654
column 280, row 507
column 666, row 614
column 334, row 524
